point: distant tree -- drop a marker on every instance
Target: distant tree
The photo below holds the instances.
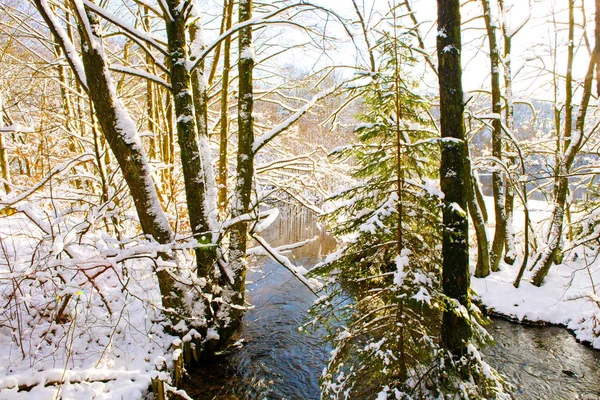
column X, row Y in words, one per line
column 568, row 147
column 500, row 233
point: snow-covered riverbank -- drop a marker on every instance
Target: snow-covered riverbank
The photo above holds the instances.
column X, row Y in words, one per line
column 568, row 296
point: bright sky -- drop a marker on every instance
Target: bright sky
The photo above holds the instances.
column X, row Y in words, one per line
column 533, row 46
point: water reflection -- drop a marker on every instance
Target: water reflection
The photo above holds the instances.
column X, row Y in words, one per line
column 278, row 362
column 544, row 362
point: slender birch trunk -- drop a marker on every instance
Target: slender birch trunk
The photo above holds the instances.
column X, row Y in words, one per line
column 510, row 252
column 572, row 146
column 224, row 124
column 500, row 232
column 4, row 165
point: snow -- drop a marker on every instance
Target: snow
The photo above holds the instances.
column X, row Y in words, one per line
column 269, row 135
column 423, row 296
column 247, row 53
column 449, row 48
column 401, row 262
column 98, row 352
column 568, row 295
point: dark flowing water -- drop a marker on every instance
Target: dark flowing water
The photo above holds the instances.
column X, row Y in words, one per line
column 278, row 362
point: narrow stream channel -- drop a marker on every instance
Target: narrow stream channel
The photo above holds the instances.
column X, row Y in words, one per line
column 278, row 362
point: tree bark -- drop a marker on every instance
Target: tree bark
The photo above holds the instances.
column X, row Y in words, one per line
column 500, row 232
column 562, row 185
column 483, row 256
column 572, row 146
column 454, row 178
column 122, row 136
column 187, row 137
column 4, row 166
column 245, row 162
column 224, row 124
column 510, row 252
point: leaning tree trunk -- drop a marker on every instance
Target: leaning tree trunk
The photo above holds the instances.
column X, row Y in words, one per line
column 500, row 232
column 245, row 163
column 122, row 136
column 510, row 252
column 454, row 178
column 572, row 147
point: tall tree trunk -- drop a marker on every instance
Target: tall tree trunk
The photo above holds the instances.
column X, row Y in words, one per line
column 199, row 91
column 4, row 166
column 150, row 94
column 500, row 232
column 225, row 25
column 402, row 370
column 191, row 114
column 454, row 178
column 564, row 163
column 245, row 161
column 122, row 136
column 510, row 255
column 483, row 256
column 187, row 134
column 224, row 124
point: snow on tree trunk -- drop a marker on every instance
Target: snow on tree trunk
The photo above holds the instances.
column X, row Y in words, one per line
column 122, row 136
column 572, row 146
column 509, row 257
column 190, row 100
column 224, row 124
column 4, row 166
column 483, row 256
column 497, row 181
column 245, row 162
column 454, row 178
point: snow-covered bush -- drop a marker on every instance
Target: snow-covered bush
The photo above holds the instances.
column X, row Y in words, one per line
column 81, row 311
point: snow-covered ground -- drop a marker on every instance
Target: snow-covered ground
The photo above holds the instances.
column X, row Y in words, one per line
column 567, row 297
column 111, row 335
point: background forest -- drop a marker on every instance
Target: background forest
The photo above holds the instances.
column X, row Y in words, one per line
column 147, row 146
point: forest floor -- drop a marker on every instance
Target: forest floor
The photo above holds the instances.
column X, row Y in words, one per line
column 111, row 354
column 110, row 336
column 567, row 297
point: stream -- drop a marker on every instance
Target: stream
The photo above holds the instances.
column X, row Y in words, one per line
column 279, row 362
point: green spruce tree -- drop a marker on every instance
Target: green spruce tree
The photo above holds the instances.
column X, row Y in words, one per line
column 384, row 308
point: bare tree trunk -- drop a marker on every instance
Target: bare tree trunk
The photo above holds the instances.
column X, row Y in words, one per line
column 454, row 179
column 224, row 124
column 187, row 135
column 572, row 147
column 225, row 25
column 150, row 95
column 4, row 165
column 245, row 162
column 402, row 370
column 122, row 137
column 497, row 181
column 483, row 256
column 510, row 252
column 207, row 178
